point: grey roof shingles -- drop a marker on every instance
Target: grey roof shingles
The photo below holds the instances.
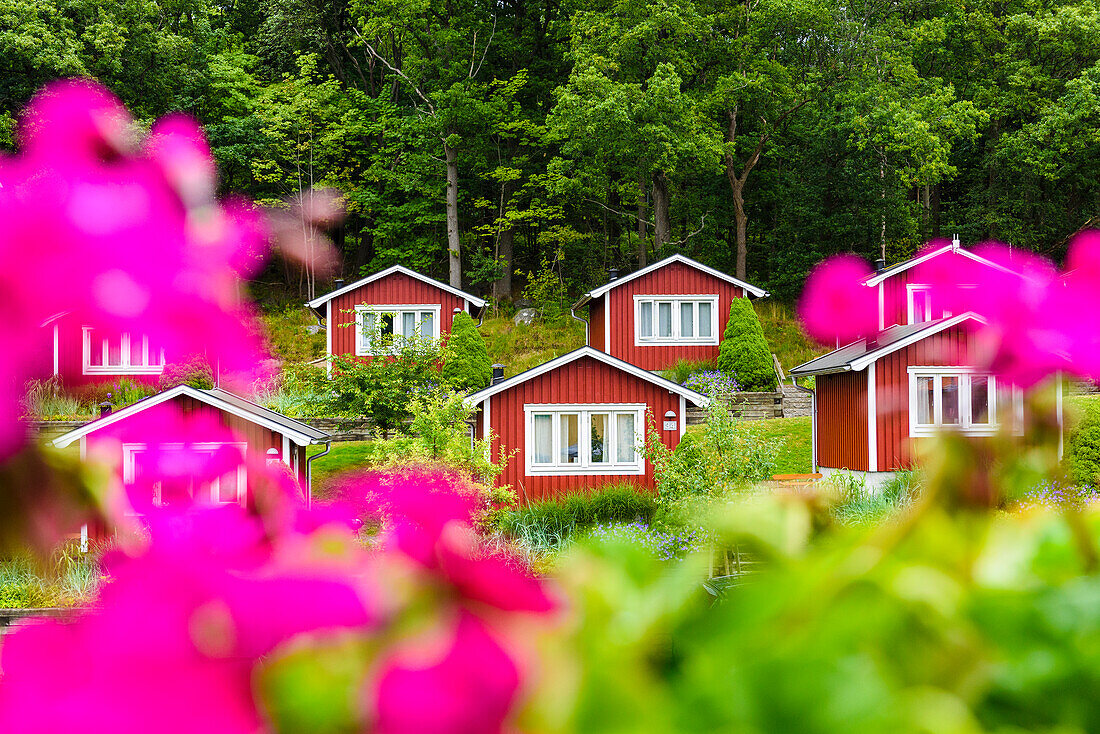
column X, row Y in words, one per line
column 840, row 360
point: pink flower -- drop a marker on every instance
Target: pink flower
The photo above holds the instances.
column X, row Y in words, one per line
column 836, row 306
column 464, row 683
column 177, row 632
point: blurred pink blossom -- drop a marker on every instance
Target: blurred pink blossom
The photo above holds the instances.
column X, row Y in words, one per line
column 176, row 634
column 464, row 683
column 836, row 306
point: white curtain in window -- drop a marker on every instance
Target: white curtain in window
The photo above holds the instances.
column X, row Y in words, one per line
column 664, row 319
column 570, row 439
column 543, row 444
column 624, row 437
column 687, row 320
column 950, row 400
column 925, row 398
column 599, row 442
column 646, row 318
column 427, row 319
column 704, row 319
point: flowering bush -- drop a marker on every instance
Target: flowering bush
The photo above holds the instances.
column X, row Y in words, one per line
column 713, row 382
column 666, row 545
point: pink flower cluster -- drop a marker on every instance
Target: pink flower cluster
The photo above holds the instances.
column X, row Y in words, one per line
column 122, row 232
column 188, row 619
column 1037, row 320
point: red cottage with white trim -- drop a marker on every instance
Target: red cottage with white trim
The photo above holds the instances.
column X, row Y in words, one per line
column 578, row 421
column 674, row 309
column 83, row 355
column 260, row 434
column 877, row 397
column 363, row 318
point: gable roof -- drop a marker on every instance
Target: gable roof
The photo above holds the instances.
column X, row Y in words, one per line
column 296, row 431
column 857, row 355
column 322, row 300
column 913, row 262
column 695, row 397
column 683, row 259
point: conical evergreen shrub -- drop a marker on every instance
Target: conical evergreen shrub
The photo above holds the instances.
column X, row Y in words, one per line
column 744, row 351
column 466, row 364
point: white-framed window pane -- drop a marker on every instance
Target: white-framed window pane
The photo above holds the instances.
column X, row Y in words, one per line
column 925, row 397
column 624, row 438
column 543, row 443
column 95, row 349
column 367, row 334
column 704, row 319
column 427, row 324
column 687, row 319
column 137, row 351
column 979, row 400
column 645, row 318
column 664, row 319
column 922, row 306
column 229, row 488
column 114, row 352
column 408, row 324
column 949, row 398
column 599, row 451
column 570, row 439
column 387, row 324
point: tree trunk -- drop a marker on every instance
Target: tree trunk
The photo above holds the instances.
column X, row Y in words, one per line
column 642, row 232
column 662, row 230
column 502, row 288
column 454, row 246
column 741, row 219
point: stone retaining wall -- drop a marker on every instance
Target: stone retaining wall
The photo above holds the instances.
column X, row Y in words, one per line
column 754, row 406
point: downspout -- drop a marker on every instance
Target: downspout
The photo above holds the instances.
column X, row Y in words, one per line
column 583, row 321
column 813, row 420
column 309, row 473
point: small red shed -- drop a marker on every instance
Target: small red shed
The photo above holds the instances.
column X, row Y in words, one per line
column 362, row 319
column 579, row 421
column 235, row 423
column 83, row 355
column 674, row 309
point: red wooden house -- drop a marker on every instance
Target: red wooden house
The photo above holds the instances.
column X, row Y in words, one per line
column 236, row 424
column 877, row 397
column 674, row 309
column 364, row 318
column 83, row 355
column 579, row 421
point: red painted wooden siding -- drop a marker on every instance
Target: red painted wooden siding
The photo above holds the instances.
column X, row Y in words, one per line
column 394, row 289
column 842, row 421
column 70, row 357
column 596, row 323
column 950, row 348
column 895, row 299
column 673, row 279
column 585, row 380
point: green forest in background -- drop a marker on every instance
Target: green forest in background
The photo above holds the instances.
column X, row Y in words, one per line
column 568, row 136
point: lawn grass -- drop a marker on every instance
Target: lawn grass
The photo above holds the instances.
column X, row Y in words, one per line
column 289, row 336
column 785, row 336
column 343, row 457
column 520, row 347
column 795, row 456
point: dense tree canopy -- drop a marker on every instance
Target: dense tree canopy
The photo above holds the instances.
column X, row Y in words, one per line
column 477, row 141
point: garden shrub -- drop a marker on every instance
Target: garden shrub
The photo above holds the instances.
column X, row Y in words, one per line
column 723, row 455
column 546, row 291
column 195, row 372
column 466, row 364
column 744, row 351
column 48, row 400
column 685, row 369
column 545, row 526
column 1083, row 456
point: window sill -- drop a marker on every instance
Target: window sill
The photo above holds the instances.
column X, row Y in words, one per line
column 565, row 471
column 926, row 431
column 675, row 342
column 123, row 370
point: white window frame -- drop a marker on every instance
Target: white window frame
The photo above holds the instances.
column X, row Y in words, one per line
column 126, row 368
column 584, row 450
column 911, row 291
column 129, row 469
column 676, row 301
column 362, row 345
column 965, row 424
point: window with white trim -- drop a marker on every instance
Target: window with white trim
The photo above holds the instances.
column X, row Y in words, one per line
column 384, row 329
column 675, row 320
column 959, row 398
column 227, row 489
column 120, row 354
column 584, row 439
column 920, row 303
